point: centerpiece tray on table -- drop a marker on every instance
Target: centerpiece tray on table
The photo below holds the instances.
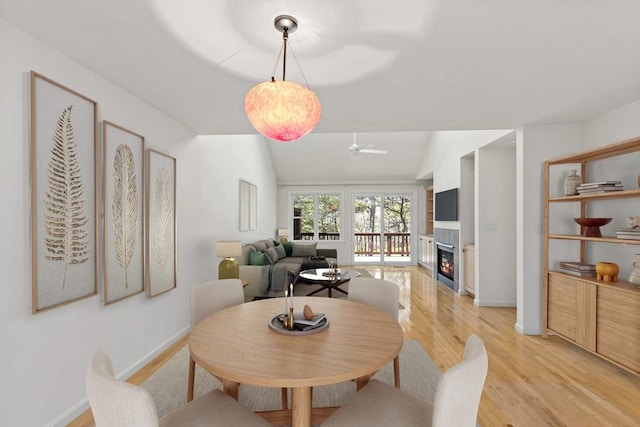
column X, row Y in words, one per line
column 302, row 326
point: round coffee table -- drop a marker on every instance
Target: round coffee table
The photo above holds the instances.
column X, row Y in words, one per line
column 322, row 277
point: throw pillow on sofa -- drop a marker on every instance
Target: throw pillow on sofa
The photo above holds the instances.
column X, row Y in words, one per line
column 288, row 248
column 257, row 258
column 281, row 252
column 272, row 255
column 303, row 249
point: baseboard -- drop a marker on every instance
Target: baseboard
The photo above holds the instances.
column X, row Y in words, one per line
column 76, row 410
column 494, row 303
column 525, row 331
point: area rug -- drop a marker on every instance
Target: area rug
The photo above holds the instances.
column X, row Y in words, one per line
column 168, row 385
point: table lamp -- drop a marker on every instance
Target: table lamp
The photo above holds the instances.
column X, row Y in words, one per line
column 283, row 233
column 228, row 249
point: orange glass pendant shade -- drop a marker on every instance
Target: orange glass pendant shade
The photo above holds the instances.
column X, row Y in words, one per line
column 281, row 110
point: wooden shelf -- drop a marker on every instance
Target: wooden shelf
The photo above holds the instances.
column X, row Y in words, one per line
column 612, row 150
column 598, row 316
column 625, row 194
column 603, row 239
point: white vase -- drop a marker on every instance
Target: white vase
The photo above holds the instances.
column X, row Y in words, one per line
column 634, row 277
column 571, row 183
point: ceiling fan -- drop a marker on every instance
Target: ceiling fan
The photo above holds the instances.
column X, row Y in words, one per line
column 355, row 150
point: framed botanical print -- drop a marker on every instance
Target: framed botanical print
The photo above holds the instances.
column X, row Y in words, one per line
column 248, row 206
column 161, row 223
column 123, row 217
column 63, row 143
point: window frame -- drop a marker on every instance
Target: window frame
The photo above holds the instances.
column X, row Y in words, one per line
column 316, row 216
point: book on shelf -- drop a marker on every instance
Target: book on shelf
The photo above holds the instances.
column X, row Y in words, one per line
column 628, row 236
column 627, row 230
column 577, row 266
column 597, row 183
column 600, row 190
column 578, row 273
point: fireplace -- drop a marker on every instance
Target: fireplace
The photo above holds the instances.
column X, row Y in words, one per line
column 445, row 263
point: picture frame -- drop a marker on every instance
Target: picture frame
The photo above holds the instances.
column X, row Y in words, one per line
column 123, row 215
column 248, row 206
column 161, row 232
column 64, row 206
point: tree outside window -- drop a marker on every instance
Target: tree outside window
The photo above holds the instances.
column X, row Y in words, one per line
column 316, row 216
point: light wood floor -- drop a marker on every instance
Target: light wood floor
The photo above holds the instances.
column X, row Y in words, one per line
column 531, row 381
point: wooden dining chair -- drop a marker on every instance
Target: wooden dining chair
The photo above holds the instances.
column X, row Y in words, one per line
column 385, row 296
column 208, row 298
column 456, row 400
column 118, row 403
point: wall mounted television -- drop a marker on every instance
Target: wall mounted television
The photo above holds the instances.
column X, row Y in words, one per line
column 447, row 205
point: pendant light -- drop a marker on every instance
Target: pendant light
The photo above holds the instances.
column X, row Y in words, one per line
column 280, row 110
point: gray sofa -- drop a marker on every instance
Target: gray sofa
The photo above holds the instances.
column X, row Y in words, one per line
column 270, row 266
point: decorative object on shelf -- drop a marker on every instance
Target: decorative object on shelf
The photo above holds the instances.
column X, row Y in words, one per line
column 576, row 268
column 638, row 179
column 571, row 183
column 228, row 249
column 283, row 234
column 633, row 222
column 592, row 225
column 600, row 187
column 607, row 271
column 634, row 277
column 283, row 111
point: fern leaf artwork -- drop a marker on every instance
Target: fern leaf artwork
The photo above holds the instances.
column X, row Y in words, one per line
column 162, row 224
column 124, row 206
column 64, row 217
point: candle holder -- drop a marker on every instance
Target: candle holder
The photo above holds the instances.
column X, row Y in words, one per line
column 289, row 322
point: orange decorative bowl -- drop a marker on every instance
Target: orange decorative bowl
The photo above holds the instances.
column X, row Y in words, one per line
column 591, row 226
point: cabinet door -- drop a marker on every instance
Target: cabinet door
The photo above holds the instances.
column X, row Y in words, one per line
column 470, row 269
column 430, row 248
column 618, row 326
column 572, row 309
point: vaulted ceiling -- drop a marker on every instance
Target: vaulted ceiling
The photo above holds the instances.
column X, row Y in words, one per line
column 392, row 71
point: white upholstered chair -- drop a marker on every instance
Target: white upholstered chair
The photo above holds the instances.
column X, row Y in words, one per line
column 455, row 404
column 118, row 403
column 383, row 295
column 208, row 298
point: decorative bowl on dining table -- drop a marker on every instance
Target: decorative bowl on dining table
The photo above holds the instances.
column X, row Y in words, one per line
column 591, row 226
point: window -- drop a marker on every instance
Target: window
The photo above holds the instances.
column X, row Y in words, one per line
column 316, row 216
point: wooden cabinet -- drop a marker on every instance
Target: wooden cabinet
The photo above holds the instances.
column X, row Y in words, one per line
column 602, row 317
column 469, row 260
column 426, row 249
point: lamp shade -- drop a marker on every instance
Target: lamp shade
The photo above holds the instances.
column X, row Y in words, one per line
column 282, row 111
column 283, row 232
column 228, row 248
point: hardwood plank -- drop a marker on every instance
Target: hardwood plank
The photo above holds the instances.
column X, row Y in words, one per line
column 532, row 381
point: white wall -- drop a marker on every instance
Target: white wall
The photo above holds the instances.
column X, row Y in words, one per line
column 43, row 357
column 496, row 226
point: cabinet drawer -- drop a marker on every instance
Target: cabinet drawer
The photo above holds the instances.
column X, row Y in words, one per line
column 618, row 326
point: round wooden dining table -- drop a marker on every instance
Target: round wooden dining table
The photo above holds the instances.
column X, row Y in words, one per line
column 238, row 346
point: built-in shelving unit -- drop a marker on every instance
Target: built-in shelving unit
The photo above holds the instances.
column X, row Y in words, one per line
column 429, row 210
column 601, row 317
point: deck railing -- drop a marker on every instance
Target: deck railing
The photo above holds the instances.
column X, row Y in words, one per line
column 369, row 244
